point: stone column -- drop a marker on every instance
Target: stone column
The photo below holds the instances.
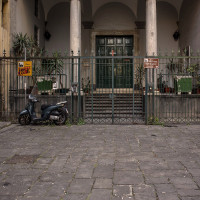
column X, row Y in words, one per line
column 151, row 35
column 75, row 32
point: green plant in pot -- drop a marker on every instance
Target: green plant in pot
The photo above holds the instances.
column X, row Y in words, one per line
column 51, row 67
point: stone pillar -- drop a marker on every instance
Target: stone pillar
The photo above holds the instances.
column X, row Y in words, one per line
column 75, row 32
column 151, row 35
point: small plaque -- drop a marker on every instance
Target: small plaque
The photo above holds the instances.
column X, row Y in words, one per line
column 151, row 63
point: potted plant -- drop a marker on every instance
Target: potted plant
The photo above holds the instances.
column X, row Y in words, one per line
column 49, row 69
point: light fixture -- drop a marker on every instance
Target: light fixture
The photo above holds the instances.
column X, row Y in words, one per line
column 176, row 35
column 47, row 35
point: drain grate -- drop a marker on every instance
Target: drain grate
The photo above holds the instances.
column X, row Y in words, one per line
column 29, row 159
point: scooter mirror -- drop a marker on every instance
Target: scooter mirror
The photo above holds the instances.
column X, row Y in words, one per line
column 31, row 97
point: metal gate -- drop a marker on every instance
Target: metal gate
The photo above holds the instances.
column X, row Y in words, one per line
column 118, row 99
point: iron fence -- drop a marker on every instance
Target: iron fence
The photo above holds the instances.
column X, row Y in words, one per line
column 175, row 97
column 106, row 89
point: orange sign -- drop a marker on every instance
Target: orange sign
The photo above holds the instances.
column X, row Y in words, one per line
column 151, row 63
column 25, row 68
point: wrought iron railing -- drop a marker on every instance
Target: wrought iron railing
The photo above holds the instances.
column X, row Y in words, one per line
column 107, row 89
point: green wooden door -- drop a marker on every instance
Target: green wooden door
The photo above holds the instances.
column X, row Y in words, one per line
column 123, row 72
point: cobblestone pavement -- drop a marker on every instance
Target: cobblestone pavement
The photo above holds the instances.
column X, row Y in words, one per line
column 100, row 162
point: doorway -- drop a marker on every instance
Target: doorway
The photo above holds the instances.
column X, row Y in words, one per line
column 122, row 47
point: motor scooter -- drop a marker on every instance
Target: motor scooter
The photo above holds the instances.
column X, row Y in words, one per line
column 56, row 113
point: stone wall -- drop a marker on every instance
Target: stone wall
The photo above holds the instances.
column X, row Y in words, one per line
column 174, row 108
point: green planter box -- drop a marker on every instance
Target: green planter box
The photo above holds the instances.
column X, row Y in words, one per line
column 44, row 85
column 183, row 84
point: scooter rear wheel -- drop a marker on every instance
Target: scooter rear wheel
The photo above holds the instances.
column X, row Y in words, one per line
column 62, row 118
column 24, row 119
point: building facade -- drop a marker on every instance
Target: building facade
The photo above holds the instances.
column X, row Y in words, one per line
column 74, row 25
column 93, row 30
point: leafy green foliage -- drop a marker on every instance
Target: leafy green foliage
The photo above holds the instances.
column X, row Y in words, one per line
column 22, row 41
column 53, row 65
column 154, row 121
column 81, row 122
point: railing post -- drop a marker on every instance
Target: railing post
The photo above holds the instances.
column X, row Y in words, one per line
column 133, row 92
column 112, row 89
column 153, row 91
column 146, row 96
column 72, row 80
column 79, row 86
column 92, row 92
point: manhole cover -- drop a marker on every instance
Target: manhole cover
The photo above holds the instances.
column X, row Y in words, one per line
column 29, row 159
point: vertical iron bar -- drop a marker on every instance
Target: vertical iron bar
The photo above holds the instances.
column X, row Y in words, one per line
column 133, row 91
column 72, row 79
column 112, row 90
column 153, row 89
column 25, row 76
column 146, row 97
column 92, row 92
column 79, row 87
column 7, row 91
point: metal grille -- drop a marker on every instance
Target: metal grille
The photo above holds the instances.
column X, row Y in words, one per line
column 175, row 97
column 107, row 89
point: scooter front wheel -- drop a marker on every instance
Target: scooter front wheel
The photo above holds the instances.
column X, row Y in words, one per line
column 62, row 118
column 24, row 119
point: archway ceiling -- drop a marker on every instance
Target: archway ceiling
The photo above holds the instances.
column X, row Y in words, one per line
column 48, row 4
column 132, row 4
column 96, row 4
column 176, row 3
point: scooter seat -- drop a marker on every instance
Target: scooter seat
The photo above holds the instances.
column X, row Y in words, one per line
column 44, row 106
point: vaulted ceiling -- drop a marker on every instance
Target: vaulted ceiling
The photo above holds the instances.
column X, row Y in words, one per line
column 89, row 7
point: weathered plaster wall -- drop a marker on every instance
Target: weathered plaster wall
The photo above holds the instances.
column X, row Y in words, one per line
column 59, row 27
column 26, row 19
column 189, row 24
column 5, row 28
column 167, row 18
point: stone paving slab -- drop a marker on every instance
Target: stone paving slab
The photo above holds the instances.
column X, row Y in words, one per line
column 4, row 124
column 99, row 162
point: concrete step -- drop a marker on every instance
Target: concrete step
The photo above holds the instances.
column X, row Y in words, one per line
column 100, row 105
